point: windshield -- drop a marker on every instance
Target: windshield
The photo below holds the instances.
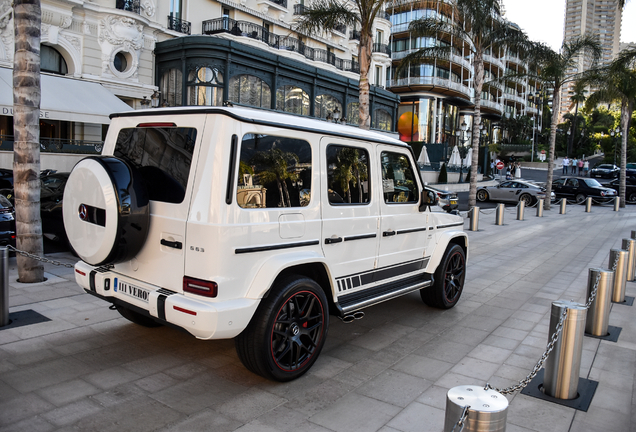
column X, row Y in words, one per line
column 592, row 183
column 605, row 167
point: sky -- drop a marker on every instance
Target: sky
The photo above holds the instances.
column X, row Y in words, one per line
column 542, row 20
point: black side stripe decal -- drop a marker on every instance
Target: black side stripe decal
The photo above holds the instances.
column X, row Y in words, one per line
column 353, row 281
column 276, row 247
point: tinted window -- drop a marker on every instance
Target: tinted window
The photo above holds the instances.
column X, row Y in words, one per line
column 347, row 175
column 592, row 183
column 163, row 156
column 398, row 179
column 274, row 172
column 572, row 182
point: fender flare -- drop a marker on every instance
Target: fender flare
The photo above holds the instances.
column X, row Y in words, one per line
column 271, row 268
column 445, row 239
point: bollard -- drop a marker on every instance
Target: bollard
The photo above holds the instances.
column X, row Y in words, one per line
column 520, row 208
column 540, row 208
column 588, row 204
column 562, row 368
column 474, row 219
column 598, row 313
column 499, row 216
column 630, row 246
column 633, row 234
column 563, row 204
column 617, row 203
column 620, row 274
column 4, row 286
column 487, row 410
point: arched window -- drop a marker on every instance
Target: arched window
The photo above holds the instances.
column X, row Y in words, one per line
column 205, row 87
column 250, row 90
column 382, row 120
column 293, row 100
column 52, row 61
column 326, row 104
column 171, row 85
column 353, row 113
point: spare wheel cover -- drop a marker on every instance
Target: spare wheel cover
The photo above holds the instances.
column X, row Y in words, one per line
column 106, row 210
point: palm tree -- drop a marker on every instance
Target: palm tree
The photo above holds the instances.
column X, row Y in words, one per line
column 26, row 144
column 578, row 96
column 327, row 14
column 617, row 82
column 556, row 69
column 481, row 29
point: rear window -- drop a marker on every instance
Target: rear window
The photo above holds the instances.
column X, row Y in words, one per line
column 163, row 156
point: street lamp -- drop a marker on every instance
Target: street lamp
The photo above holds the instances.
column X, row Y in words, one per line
column 615, row 134
column 155, row 98
column 461, row 146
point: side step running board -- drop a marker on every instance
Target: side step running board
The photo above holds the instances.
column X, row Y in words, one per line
column 369, row 297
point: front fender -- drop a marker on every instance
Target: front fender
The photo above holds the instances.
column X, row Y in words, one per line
column 275, row 265
column 444, row 239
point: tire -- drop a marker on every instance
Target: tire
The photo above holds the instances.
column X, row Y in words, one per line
column 527, row 199
column 136, row 317
column 287, row 332
column 482, row 195
column 579, row 198
column 448, row 280
column 631, row 198
column 117, row 228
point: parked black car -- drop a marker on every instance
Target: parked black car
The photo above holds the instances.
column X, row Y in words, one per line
column 7, row 222
column 605, row 171
column 630, row 188
column 579, row 188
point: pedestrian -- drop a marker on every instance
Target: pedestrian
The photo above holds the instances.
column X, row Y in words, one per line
column 518, row 171
column 573, row 165
column 586, row 167
column 566, row 164
column 580, row 166
column 492, row 167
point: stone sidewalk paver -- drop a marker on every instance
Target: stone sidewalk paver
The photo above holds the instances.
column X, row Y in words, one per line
column 88, row 369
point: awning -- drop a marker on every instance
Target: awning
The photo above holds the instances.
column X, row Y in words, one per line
column 66, row 99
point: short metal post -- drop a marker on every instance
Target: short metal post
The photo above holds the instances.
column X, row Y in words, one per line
column 487, row 412
column 598, row 313
column 630, row 246
column 474, row 219
column 562, row 368
column 540, row 208
column 588, row 204
column 620, row 273
column 4, row 286
column 499, row 216
column 520, row 208
column 633, row 234
column 617, row 203
column 563, row 204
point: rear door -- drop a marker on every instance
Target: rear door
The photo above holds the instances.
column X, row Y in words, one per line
column 164, row 150
column 350, row 213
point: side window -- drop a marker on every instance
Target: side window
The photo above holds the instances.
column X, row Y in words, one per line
column 347, row 175
column 506, row 185
column 398, row 179
column 163, row 156
column 274, row 172
column 572, row 183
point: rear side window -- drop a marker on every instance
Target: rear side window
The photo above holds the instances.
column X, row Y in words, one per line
column 347, row 175
column 274, row 172
column 163, row 156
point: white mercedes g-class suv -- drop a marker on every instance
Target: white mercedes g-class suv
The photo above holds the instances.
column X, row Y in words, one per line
column 247, row 224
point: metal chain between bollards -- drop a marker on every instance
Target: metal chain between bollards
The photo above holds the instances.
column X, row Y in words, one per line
column 462, row 420
column 39, row 258
column 553, row 340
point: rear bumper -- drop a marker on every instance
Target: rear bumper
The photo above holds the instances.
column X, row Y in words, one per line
column 204, row 319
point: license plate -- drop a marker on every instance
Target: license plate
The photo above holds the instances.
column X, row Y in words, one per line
column 132, row 290
column 453, row 202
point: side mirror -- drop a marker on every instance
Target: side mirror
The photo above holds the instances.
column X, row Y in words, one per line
column 428, row 198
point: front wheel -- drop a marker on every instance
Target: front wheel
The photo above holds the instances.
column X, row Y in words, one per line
column 449, row 280
column 287, row 332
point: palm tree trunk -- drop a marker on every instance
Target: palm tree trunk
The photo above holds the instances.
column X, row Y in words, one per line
column 26, row 145
column 366, row 47
column 553, row 127
column 627, row 108
column 479, row 84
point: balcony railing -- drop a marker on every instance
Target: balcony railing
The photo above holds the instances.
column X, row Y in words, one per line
column 255, row 31
column 129, row 5
column 299, row 9
column 179, row 25
column 431, row 81
column 382, row 48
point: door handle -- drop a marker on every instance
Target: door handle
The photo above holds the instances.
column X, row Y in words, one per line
column 388, row 233
column 172, row 244
column 332, row 240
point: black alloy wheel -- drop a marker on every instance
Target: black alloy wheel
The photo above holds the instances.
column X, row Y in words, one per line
column 631, row 198
column 448, row 280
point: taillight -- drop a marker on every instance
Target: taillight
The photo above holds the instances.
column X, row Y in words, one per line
column 200, row 287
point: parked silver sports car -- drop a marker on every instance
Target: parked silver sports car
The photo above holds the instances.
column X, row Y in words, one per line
column 512, row 191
